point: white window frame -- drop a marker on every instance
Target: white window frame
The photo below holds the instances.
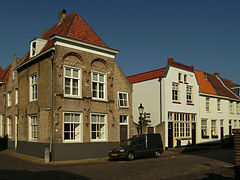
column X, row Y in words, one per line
column 72, row 78
column 9, row 99
column 9, row 127
column 237, row 108
column 207, row 104
column 189, row 94
column 16, row 96
column 33, row 51
column 2, row 126
column 33, row 87
column 79, row 130
column 124, row 101
column 185, row 78
column 33, row 127
column 214, row 128
column 98, row 83
column 204, row 128
column 123, row 123
column 175, row 92
column 105, row 128
column 182, row 125
column 180, row 77
column 13, row 74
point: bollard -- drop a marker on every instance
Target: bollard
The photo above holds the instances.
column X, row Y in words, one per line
column 236, row 133
column 47, row 155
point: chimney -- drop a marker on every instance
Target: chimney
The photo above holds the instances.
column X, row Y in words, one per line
column 217, row 74
column 170, row 60
column 15, row 58
column 61, row 15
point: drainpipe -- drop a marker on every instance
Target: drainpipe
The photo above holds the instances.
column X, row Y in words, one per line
column 160, row 81
column 51, row 137
column 5, row 107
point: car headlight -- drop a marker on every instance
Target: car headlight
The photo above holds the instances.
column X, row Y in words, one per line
column 121, row 150
column 110, row 151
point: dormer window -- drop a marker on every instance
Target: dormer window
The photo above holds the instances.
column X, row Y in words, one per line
column 36, row 46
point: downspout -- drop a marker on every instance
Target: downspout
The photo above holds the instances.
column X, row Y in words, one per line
column 160, row 81
column 51, row 137
column 5, row 107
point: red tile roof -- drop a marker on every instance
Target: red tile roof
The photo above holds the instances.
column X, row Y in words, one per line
column 72, row 26
column 146, row 75
column 228, row 83
column 5, row 74
column 210, row 84
column 173, row 63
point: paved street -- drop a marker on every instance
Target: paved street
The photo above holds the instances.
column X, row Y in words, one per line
column 205, row 164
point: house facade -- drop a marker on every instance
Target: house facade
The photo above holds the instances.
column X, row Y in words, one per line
column 219, row 107
column 72, row 96
column 170, row 95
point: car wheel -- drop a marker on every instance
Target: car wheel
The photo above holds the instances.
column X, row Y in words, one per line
column 130, row 156
column 157, row 154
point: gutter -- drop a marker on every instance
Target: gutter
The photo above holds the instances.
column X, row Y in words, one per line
column 34, row 58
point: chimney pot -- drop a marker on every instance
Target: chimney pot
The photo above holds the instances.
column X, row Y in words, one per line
column 61, row 15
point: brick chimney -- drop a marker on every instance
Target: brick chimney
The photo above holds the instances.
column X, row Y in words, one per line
column 217, row 74
column 61, row 15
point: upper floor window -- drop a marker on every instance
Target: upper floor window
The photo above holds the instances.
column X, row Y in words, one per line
column 33, row 87
column 9, row 98
column 237, row 108
column 9, row 127
column 218, row 105
column 2, row 132
column 33, row 128
column 175, row 92
column 185, row 78
column 13, row 74
column 33, row 48
column 189, row 94
column 72, row 81
column 99, row 85
column 16, row 96
column 208, row 104
column 123, row 119
column 231, row 107
column 123, row 99
column 180, row 77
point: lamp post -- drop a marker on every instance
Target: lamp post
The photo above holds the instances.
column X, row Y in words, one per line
column 140, row 122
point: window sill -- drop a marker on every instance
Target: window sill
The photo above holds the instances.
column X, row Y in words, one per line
column 185, row 82
column 71, row 141
column 184, row 138
column 205, row 137
column 100, row 100
column 190, row 103
column 98, row 140
column 180, row 81
column 176, row 102
column 123, row 107
column 72, row 97
column 214, row 137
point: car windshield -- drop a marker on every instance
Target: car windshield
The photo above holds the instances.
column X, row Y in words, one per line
column 129, row 142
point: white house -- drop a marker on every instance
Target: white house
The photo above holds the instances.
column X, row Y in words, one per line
column 170, row 95
column 219, row 107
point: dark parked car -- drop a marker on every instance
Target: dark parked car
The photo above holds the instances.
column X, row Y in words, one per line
column 139, row 146
column 227, row 141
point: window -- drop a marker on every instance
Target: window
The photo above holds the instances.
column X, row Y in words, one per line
column 182, row 125
column 207, row 104
column 33, row 87
column 237, row 108
column 72, row 81
column 204, row 128
column 33, row 48
column 98, row 127
column 175, row 92
column 123, row 119
column 33, row 128
column 231, row 107
column 170, row 116
column 218, row 105
column 235, row 124
column 123, row 100
column 221, row 123
column 72, row 127
column 185, row 78
column 193, row 117
column 189, row 94
column 9, row 98
column 98, row 85
column 213, row 128
column 9, row 127
column 16, row 96
column 2, row 125
column 180, row 77
column 13, row 74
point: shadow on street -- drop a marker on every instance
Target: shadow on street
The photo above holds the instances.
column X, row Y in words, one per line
column 213, row 176
column 46, row 175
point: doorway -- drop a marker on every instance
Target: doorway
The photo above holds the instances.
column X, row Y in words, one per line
column 193, row 133
column 170, row 134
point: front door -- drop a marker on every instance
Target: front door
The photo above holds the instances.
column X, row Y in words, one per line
column 193, row 133
column 170, row 135
column 123, row 133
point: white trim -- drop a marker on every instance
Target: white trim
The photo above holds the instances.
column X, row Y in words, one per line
column 83, row 49
column 104, row 87
column 126, row 124
column 31, row 87
column 119, row 100
column 30, row 128
column 80, row 139
column 16, row 131
column 16, row 96
column 10, row 135
column 105, row 128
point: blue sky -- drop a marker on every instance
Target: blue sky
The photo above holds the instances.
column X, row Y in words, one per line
column 203, row 33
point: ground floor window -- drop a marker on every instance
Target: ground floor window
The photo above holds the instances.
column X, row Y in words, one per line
column 123, row 119
column 182, row 124
column 2, row 125
column 72, row 127
column 9, row 127
column 204, row 131
column 33, row 128
column 98, row 127
column 214, row 128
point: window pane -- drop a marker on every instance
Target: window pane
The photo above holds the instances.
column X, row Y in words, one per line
column 76, row 118
column 101, row 77
column 102, row 119
column 75, row 73
column 94, row 135
column 95, row 76
column 68, row 72
column 67, row 117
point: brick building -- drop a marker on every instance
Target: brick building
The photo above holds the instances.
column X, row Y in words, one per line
column 72, row 95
